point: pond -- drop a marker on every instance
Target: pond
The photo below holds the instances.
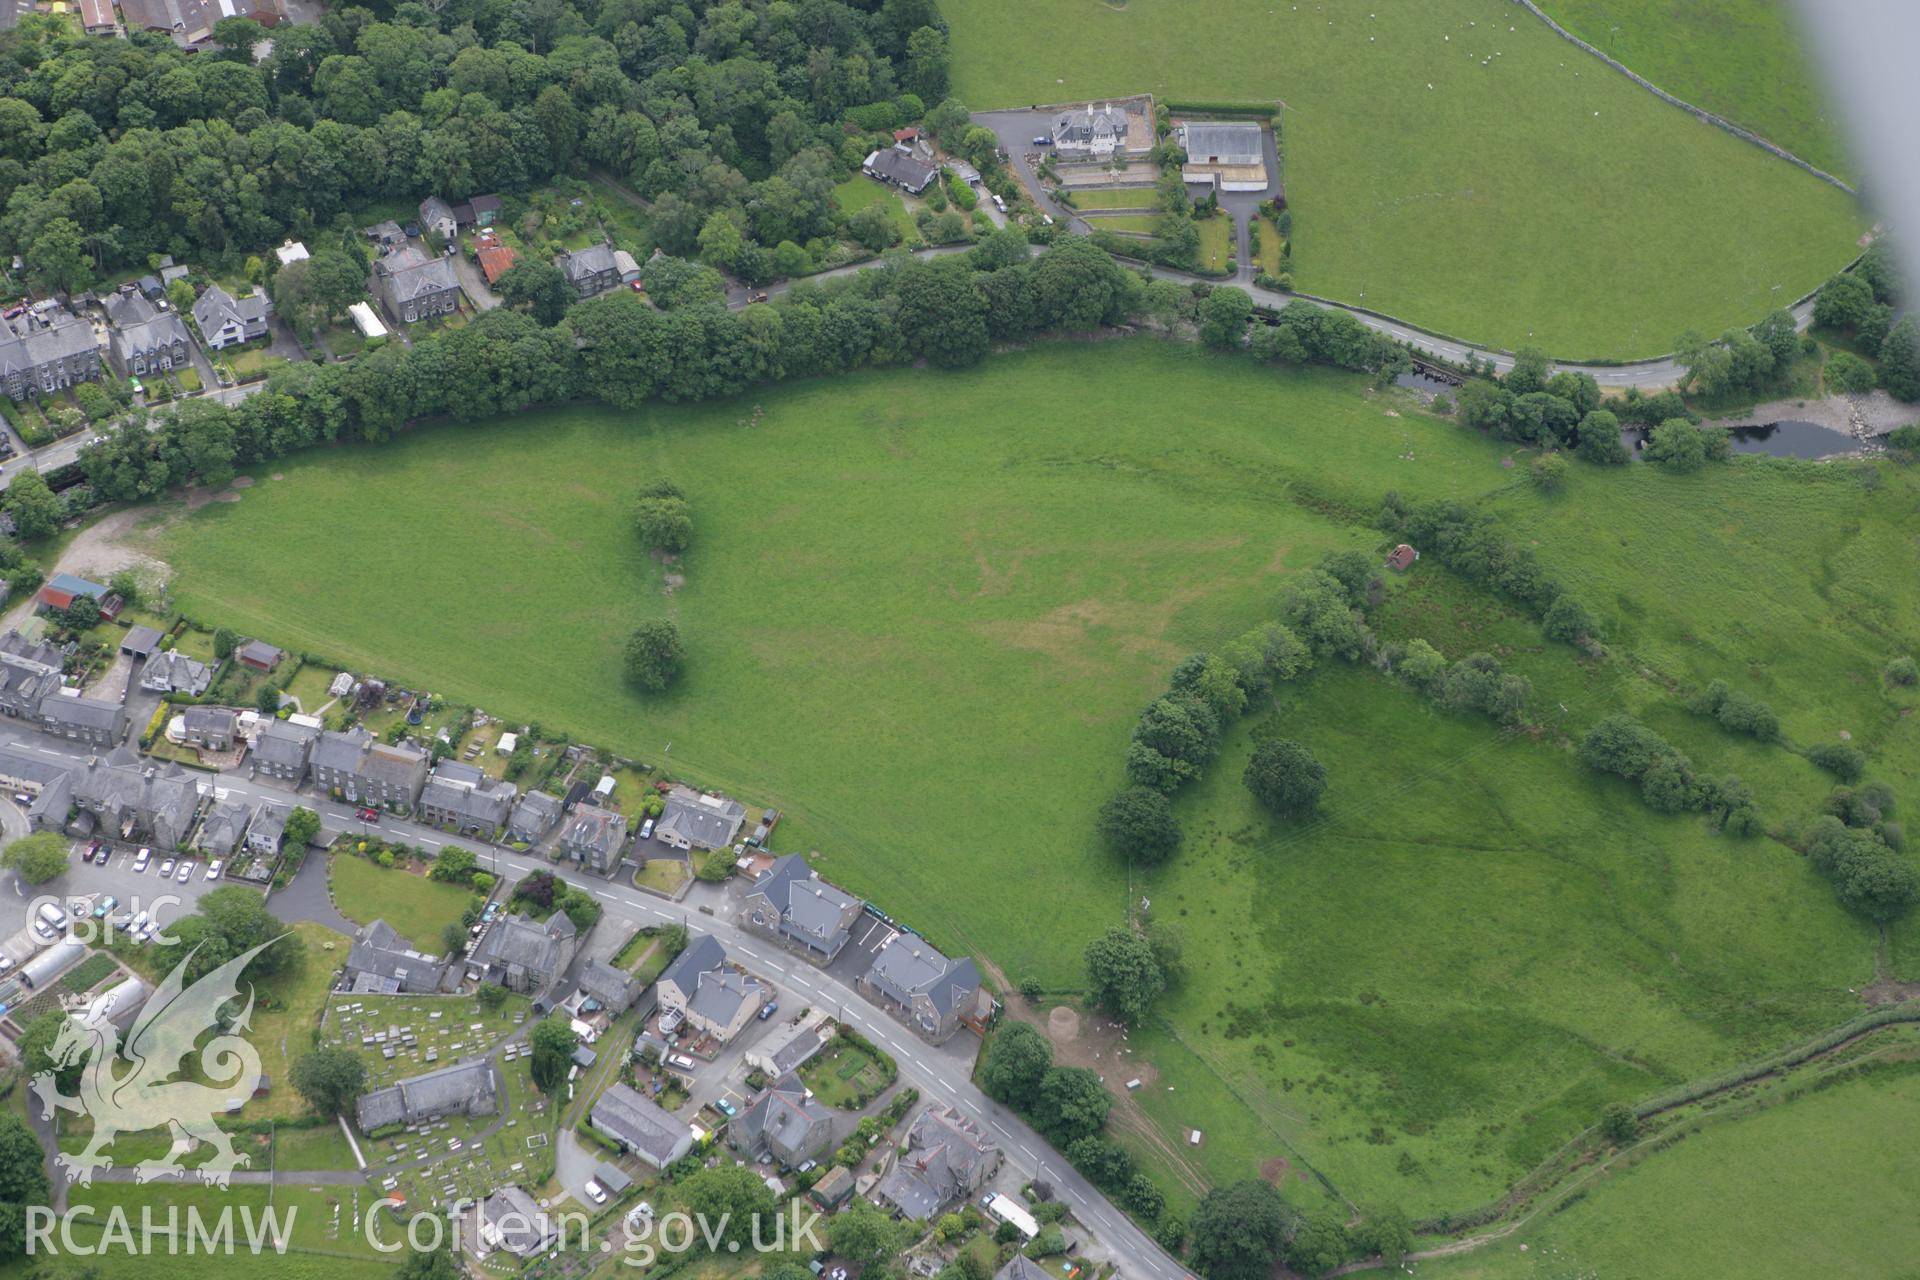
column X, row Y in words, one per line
column 1778, row 439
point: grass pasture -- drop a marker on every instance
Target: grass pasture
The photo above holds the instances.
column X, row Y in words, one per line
column 1812, row 1187
column 1498, row 240
column 1418, row 996
column 1744, row 60
column 418, row 908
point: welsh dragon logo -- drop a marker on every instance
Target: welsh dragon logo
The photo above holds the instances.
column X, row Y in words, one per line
column 127, row 1084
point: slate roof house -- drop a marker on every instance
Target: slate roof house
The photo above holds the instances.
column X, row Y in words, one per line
column 44, row 350
column 462, row 797
column 794, row 907
column 947, row 1158
column 897, row 167
column 367, row 772
column 533, row 817
column 171, row 671
column 48, row 783
column 127, row 795
column 393, row 776
column 227, row 321
column 633, row 1120
column 467, row 1088
column 415, row 285
column 66, row 715
column 221, row 829
column 923, row 988
column 336, row 757
column 143, row 340
column 1092, row 131
column 268, row 828
column 381, row 963
column 525, row 955
column 436, row 215
column 784, row 1122
column 590, row 270
column 29, row 671
column 693, row 820
column 613, row 988
column 513, row 1220
column 594, row 837
column 714, row 997
column 281, row 750
column 790, row 1049
column 210, row 727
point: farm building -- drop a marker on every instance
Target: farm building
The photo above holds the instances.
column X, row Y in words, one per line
column 1230, row 156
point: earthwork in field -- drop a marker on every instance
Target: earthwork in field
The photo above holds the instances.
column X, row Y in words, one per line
column 923, row 626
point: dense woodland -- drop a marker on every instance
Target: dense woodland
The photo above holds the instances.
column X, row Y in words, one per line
column 113, row 150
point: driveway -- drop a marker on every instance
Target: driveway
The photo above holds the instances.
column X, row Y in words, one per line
column 305, row 896
column 474, row 282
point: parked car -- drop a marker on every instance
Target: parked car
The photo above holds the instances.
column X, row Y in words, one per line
column 101, row 861
column 766, row 1010
column 369, row 815
column 637, row 286
column 596, row 1192
column 1044, row 140
column 22, row 799
column 166, row 868
column 148, row 929
column 86, row 854
column 141, row 859
column 103, row 906
column 186, row 871
column 681, row 1061
column 53, row 915
column 213, row 869
column 646, row 829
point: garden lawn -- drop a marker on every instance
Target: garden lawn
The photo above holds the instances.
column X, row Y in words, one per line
column 1217, row 248
column 1744, row 60
column 1817, row 1186
column 1586, row 216
column 859, row 191
column 1109, row 198
column 419, row 908
column 1144, row 224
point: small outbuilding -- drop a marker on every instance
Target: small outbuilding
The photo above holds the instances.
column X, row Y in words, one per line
column 1402, row 557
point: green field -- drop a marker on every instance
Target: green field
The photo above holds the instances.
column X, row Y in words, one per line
column 1817, row 1187
column 1474, row 207
column 1421, row 996
column 418, row 908
column 1744, row 60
